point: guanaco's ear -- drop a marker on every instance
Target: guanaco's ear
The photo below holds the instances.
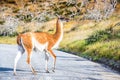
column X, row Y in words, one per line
column 57, row 15
column 67, row 19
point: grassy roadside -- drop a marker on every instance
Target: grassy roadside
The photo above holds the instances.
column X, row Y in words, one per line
column 101, row 43
column 7, row 40
column 103, row 52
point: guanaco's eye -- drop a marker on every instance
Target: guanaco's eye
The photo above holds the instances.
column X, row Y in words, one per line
column 61, row 18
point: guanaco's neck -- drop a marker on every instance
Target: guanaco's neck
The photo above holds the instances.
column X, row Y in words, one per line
column 59, row 30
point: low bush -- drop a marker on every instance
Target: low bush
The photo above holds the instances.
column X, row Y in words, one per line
column 101, row 35
column 2, row 22
column 104, row 35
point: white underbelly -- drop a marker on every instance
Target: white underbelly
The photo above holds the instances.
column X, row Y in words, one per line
column 39, row 46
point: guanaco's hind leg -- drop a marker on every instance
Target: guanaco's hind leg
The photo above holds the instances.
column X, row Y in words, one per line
column 19, row 54
column 54, row 57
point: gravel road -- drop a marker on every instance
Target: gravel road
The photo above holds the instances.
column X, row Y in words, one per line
column 68, row 67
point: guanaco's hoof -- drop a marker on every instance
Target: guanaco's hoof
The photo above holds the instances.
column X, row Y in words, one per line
column 53, row 70
column 14, row 74
column 34, row 72
column 47, row 71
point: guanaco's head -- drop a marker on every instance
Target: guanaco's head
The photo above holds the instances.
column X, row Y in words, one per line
column 63, row 19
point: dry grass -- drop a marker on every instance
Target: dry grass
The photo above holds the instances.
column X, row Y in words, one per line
column 7, row 40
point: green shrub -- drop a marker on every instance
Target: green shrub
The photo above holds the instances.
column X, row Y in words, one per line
column 101, row 35
column 15, row 10
column 2, row 22
column 118, row 1
column 11, row 1
column 26, row 18
column 117, row 34
column 47, row 18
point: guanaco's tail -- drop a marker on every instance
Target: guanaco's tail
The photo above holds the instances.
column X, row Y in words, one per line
column 19, row 39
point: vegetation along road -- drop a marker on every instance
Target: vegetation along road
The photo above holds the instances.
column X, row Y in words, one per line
column 68, row 67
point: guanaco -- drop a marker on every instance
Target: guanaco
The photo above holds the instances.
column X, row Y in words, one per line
column 42, row 41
